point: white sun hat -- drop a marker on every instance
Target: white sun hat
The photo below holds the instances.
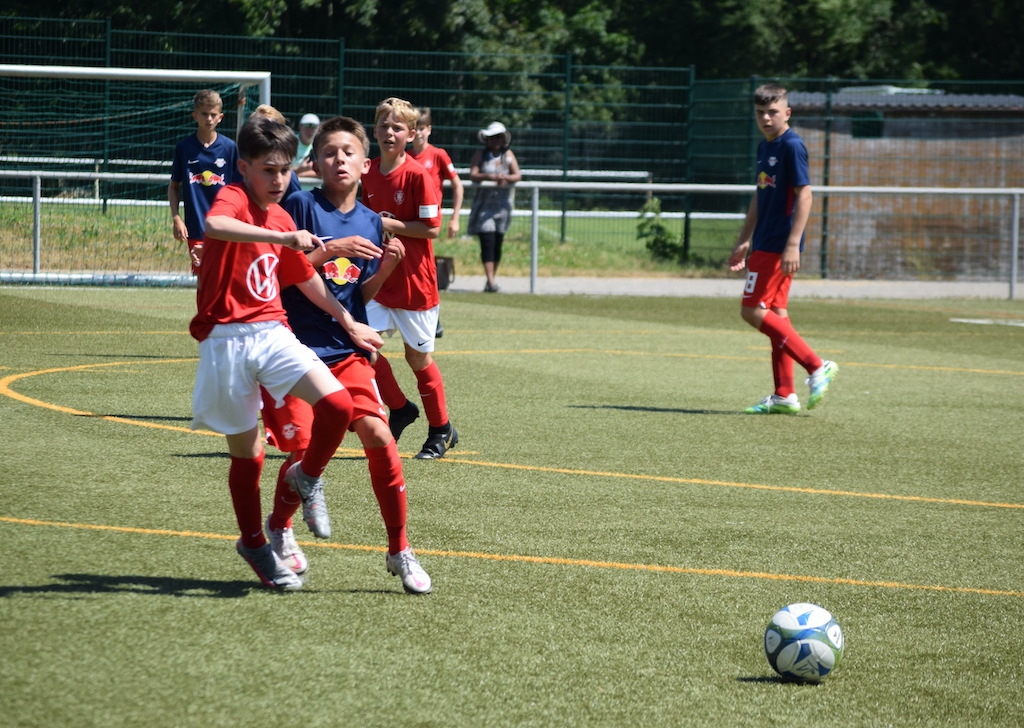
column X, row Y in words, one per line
column 496, row 128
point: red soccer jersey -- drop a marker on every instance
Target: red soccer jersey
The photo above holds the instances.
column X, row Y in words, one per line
column 437, row 163
column 407, row 193
column 242, row 282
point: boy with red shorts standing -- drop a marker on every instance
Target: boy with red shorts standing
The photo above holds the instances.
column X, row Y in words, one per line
column 773, row 234
column 400, row 190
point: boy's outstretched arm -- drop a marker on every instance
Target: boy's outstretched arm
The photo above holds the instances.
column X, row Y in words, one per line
column 225, row 227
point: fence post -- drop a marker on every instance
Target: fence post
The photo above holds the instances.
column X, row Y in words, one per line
column 341, row 76
column 566, row 131
column 826, row 178
column 1014, row 245
column 534, row 236
column 37, row 222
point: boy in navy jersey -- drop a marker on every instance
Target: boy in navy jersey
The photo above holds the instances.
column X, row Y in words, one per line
column 203, row 164
column 773, row 234
column 353, row 268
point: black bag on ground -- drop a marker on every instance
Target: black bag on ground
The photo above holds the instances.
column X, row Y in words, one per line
column 445, row 272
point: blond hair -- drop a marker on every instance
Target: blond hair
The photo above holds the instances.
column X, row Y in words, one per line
column 402, row 109
column 269, row 112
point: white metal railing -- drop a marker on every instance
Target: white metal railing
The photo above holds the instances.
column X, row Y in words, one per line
column 535, row 213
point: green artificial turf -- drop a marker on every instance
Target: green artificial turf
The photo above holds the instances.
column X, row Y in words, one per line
column 607, row 542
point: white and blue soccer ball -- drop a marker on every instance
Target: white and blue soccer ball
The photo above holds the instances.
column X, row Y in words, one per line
column 803, row 642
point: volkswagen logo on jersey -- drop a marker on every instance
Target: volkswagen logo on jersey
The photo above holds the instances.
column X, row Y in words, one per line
column 261, row 278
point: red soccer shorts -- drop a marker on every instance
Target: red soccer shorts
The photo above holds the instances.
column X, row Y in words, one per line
column 288, row 427
column 767, row 286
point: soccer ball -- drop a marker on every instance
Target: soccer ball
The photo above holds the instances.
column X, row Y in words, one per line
column 803, row 642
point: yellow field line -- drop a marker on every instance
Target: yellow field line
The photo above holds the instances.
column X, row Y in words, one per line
column 5, row 389
column 548, row 560
column 455, row 458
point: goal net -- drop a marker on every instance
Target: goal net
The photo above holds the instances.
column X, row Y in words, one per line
column 85, row 158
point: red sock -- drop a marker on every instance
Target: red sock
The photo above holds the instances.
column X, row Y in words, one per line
column 784, row 337
column 390, row 391
column 331, row 417
column 244, row 484
column 782, row 369
column 431, row 388
column 389, row 487
column 286, row 500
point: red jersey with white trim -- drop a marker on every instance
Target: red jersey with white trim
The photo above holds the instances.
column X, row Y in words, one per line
column 407, row 193
column 242, row 282
column 437, row 163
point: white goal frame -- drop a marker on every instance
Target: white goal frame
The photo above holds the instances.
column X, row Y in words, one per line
column 107, row 73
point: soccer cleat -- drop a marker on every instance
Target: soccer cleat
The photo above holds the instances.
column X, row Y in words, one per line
column 314, row 507
column 282, row 540
column 402, row 417
column 439, row 331
column 773, row 404
column 439, row 441
column 820, row 380
column 270, row 569
column 404, row 564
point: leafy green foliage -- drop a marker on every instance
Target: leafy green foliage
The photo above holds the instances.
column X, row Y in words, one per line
column 724, row 39
column 662, row 243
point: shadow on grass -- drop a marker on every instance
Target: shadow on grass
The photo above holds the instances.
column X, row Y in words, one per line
column 776, row 680
column 151, row 418
column 82, row 584
column 668, row 410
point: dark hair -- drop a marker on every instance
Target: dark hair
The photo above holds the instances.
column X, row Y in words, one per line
column 769, row 93
column 260, row 136
column 341, row 123
column 425, row 119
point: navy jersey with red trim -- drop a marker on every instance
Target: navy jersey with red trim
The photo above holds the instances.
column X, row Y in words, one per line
column 315, row 328
column 201, row 172
column 781, row 166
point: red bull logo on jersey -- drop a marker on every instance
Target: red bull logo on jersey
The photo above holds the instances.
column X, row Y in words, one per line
column 206, row 178
column 765, row 180
column 341, row 271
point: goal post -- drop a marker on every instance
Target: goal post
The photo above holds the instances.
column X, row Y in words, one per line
column 85, row 159
column 244, row 79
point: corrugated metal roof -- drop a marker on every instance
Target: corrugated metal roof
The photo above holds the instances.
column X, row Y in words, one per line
column 848, row 100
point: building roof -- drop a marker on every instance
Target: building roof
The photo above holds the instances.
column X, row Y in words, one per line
column 895, row 98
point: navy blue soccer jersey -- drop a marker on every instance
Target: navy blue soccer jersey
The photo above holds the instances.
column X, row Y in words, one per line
column 781, row 166
column 343, row 276
column 202, row 172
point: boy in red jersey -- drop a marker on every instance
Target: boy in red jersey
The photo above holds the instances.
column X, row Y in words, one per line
column 251, row 250
column 438, row 163
column 401, row 191
column 773, row 235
